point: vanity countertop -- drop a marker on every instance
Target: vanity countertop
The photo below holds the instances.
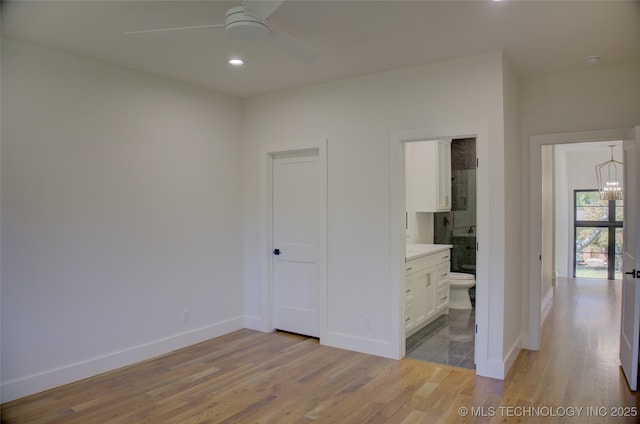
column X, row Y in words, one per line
column 415, row 251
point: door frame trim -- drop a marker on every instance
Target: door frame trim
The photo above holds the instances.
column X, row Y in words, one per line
column 267, row 154
column 398, row 240
column 531, row 336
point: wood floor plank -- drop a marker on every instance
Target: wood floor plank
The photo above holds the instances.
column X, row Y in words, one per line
column 253, row 377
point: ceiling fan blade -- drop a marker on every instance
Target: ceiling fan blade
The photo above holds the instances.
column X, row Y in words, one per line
column 261, row 9
column 293, row 47
column 186, row 28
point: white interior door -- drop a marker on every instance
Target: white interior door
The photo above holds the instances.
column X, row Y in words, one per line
column 296, row 202
column 630, row 321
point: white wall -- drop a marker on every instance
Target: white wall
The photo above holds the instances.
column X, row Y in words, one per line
column 593, row 99
column 120, row 200
column 563, row 204
column 357, row 117
column 549, row 213
column 420, row 227
column 512, row 213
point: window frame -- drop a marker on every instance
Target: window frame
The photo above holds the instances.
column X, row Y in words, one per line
column 611, row 225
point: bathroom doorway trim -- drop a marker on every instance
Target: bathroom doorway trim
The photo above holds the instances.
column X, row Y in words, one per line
column 484, row 366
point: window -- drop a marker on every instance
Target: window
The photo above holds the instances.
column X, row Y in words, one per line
column 597, row 236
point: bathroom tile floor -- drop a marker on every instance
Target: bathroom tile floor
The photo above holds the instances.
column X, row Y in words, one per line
column 447, row 340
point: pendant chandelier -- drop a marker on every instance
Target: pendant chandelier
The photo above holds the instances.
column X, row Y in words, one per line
column 608, row 175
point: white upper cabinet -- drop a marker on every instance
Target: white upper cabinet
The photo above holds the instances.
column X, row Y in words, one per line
column 428, row 179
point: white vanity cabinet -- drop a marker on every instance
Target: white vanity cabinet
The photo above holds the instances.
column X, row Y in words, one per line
column 428, row 179
column 419, row 299
column 441, row 274
column 426, row 289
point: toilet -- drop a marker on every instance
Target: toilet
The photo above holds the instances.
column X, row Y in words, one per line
column 459, row 284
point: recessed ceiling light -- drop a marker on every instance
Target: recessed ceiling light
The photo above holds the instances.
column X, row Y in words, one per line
column 236, row 62
column 592, row 60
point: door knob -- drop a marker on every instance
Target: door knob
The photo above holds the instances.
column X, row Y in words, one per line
column 276, row 251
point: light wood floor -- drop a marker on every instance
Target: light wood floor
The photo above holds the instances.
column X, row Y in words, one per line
column 251, row 377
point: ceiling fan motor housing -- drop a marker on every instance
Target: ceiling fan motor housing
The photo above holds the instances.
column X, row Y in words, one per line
column 241, row 26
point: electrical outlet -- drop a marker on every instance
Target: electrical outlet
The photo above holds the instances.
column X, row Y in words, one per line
column 186, row 316
column 368, row 322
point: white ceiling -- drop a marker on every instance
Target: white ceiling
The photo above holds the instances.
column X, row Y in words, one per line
column 355, row 37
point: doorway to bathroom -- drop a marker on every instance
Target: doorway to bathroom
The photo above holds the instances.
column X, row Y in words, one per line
column 450, row 338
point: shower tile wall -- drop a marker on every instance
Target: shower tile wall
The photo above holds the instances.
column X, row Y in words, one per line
column 458, row 227
column 442, row 222
column 463, row 153
column 464, row 253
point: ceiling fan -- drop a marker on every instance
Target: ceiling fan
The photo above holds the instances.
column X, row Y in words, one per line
column 249, row 22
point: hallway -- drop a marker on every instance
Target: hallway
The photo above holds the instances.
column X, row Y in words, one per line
column 578, row 363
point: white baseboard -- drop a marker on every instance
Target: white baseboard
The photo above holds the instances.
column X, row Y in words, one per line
column 546, row 307
column 35, row 383
column 491, row 368
column 498, row 369
column 254, row 322
column 512, row 355
column 370, row 346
